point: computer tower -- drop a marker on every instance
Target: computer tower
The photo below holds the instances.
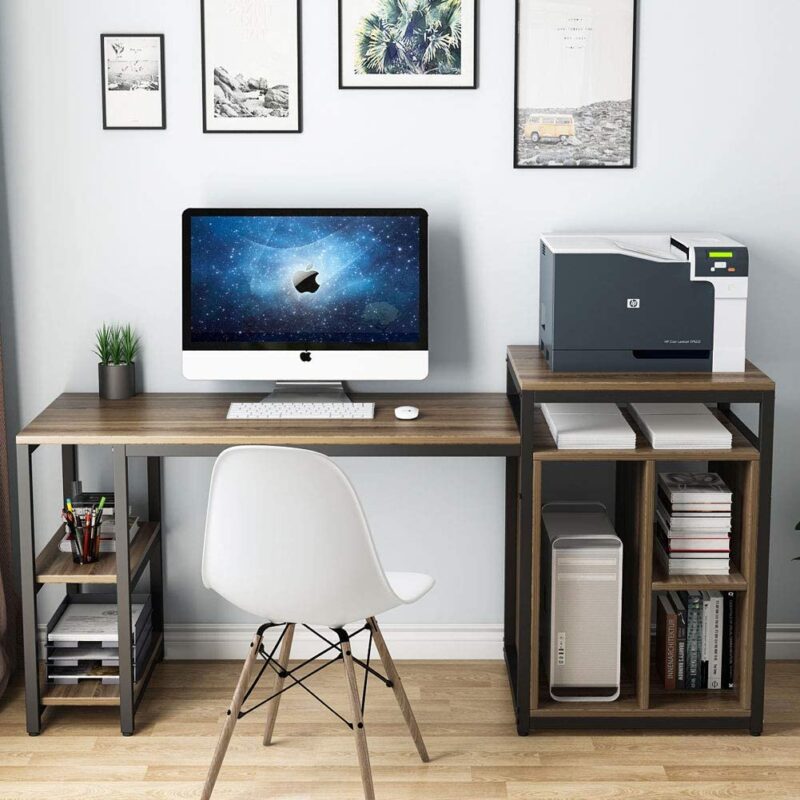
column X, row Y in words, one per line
column 582, row 606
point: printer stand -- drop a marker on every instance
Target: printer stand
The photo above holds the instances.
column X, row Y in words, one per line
column 746, row 468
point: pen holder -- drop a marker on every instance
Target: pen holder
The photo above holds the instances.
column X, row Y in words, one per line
column 87, row 549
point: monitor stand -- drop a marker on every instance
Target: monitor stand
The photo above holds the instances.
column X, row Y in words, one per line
column 308, row 392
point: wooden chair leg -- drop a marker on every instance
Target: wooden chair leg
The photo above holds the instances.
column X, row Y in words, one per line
column 358, row 723
column 230, row 721
column 274, row 704
column 397, row 687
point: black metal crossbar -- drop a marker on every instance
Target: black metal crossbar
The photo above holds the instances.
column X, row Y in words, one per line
column 282, row 671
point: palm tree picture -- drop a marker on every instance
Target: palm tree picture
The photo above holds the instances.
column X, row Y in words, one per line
column 407, row 43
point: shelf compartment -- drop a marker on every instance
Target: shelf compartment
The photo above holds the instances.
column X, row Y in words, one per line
column 545, row 447
column 92, row 693
column 53, row 566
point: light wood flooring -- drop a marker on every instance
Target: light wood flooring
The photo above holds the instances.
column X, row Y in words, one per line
column 463, row 710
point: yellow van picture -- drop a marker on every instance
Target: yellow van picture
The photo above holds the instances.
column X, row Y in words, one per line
column 549, row 126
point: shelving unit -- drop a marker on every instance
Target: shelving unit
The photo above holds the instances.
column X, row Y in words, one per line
column 120, row 572
column 747, row 470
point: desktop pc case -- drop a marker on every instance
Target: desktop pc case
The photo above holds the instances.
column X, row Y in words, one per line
column 582, row 602
column 643, row 303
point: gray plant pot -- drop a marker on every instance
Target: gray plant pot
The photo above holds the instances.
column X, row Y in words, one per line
column 117, row 381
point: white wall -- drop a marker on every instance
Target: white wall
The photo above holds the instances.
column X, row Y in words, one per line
column 95, row 215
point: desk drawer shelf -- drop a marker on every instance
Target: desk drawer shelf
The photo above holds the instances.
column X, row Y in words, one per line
column 53, row 566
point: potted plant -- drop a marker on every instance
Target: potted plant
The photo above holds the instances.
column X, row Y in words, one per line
column 116, row 347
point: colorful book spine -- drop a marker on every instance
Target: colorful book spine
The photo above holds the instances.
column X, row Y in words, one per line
column 715, row 641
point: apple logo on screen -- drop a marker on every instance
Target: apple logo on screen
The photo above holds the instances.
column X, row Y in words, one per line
column 305, row 280
column 305, row 356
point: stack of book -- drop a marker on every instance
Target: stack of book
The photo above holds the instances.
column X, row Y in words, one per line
column 695, row 639
column 588, row 426
column 681, row 426
column 693, row 516
column 83, row 642
column 86, row 502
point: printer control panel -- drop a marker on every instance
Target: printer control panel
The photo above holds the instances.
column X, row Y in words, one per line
column 721, row 262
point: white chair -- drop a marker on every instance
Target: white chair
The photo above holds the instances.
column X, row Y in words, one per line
column 287, row 540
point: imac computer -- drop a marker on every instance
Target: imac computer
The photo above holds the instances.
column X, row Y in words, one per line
column 305, row 297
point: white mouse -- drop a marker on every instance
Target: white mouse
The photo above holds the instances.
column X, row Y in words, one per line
column 406, row 412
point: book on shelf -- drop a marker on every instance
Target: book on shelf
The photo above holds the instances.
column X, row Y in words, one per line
column 667, row 640
column 695, row 639
column 695, row 488
column 108, row 537
column 680, row 639
column 588, row 426
column 728, row 639
column 697, row 522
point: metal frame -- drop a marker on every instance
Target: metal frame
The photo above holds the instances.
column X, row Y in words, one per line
column 128, row 698
column 519, row 568
column 126, row 581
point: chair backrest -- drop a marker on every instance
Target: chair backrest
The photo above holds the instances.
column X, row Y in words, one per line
column 287, row 540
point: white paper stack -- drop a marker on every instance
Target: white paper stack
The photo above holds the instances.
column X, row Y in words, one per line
column 681, row 426
column 588, row 426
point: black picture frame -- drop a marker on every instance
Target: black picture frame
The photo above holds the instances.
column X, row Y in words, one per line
column 162, row 88
column 634, row 61
column 299, row 128
column 475, row 66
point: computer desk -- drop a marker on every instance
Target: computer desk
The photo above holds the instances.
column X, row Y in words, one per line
column 155, row 426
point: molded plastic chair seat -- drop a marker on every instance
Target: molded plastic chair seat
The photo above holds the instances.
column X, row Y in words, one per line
column 410, row 586
column 287, row 540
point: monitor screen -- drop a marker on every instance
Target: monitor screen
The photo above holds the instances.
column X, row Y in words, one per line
column 294, row 279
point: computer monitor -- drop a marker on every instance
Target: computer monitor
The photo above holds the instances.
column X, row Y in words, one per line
column 305, row 294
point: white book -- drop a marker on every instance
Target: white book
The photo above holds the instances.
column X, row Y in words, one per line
column 604, row 428
column 685, row 527
column 715, row 640
column 690, row 427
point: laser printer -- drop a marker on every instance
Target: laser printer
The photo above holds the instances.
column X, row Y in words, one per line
column 665, row 302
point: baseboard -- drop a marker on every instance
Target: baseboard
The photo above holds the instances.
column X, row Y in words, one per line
column 425, row 642
column 203, row 641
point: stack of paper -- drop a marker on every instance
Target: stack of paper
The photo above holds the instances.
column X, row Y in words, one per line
column 681, row 426
column 694, row 523
column 588, row 426
column 83, row 642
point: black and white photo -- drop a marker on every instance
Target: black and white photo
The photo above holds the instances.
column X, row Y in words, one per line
column 251, row 66
column 134, row 94
column 575, row 83
column 408, row 44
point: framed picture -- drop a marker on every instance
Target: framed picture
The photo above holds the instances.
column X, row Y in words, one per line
column 575, row 83
column 408, row 44
column 134, row 93
column 252, row 78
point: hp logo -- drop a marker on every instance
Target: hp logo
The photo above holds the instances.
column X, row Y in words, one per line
column 634, row 302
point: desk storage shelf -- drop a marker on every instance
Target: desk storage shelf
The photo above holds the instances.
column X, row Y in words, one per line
column 746, row 468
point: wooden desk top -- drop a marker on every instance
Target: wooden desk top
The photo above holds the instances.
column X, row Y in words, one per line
column 446, row 420
column 534, row 375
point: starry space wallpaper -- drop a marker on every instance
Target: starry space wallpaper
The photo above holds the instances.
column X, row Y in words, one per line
column 305, row 279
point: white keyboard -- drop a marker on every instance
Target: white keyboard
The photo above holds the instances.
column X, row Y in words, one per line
column 301, row 411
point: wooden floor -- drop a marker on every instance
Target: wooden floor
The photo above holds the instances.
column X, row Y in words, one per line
column 464, row 712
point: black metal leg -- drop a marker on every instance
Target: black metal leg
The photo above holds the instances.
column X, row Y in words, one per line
column 27, row 554
column 154, row 513
column 766, row 420
column 512, row 515
column 525, row 563
column 125, row 643
column 69, row 473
